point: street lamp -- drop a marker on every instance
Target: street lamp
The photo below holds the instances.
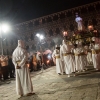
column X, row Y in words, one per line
column 41, row 37
column 3, row 29
column 65, row 33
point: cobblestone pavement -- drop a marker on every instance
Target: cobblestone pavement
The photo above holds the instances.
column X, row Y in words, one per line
column 50, row 86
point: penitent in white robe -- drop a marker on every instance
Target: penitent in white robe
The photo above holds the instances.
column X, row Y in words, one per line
column 23, row 79
column 89, row 57
column 79, row 59
column 85, row 58
column 96, row 56
column 59, row 65
column 68, row 58
column 54, row 59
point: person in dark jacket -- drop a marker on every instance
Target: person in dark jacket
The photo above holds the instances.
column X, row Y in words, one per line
column 11, row 67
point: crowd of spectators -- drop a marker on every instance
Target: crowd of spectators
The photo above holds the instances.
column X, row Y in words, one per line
column 35, row 63
column 38, row 61
column 7, row 69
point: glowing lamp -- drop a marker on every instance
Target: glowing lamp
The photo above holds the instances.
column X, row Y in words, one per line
column 65, row 33
column 28, row 65
column 90, row 27
column 37, row 35
column 4, row 28
column 47, row 61
column 41, row 37
column 95, row 31
column 49, row 56
column 73, row 34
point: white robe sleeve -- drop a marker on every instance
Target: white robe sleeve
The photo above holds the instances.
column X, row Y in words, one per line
column 14, row 61
column 74, row 51
column 23, row 61
column 61, row 54
column 53, row 54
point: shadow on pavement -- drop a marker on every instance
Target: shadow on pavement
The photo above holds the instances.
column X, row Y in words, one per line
column 33, row 97
column 5, row 82
column 41, row 71
column 85, row 75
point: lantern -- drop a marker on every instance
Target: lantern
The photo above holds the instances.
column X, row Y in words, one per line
column 90, row 27
column 65, row 33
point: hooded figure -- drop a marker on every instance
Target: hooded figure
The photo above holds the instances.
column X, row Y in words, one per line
column 54, row 59
column 96, row 56
column 59, row 65
column 23, row 79
column 67, row 57
column 79, row 57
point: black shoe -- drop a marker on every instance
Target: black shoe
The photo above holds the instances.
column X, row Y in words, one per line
column 59, row 74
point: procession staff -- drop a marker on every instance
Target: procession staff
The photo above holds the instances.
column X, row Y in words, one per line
column 23, row 79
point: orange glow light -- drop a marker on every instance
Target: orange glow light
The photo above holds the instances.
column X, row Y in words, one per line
column 90, row 27
column 65, row 33
column 95, row 31
column 48, row 61
column 28, row 65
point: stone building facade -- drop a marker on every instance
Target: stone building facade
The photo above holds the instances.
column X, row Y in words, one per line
column 51, row 26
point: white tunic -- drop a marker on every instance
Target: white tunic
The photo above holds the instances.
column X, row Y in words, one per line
column 68, row 58
column 89, row 57
column 79, row 59
column 96, row 56
column 59, row 65
column 54, row 59
column 23, row 79
column 89, row 54
column 85, row 57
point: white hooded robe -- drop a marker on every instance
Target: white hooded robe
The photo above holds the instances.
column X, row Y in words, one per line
column 23, row 79
column 68, row 58
column 59, row 65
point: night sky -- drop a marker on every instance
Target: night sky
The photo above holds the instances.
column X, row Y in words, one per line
column 17, row 11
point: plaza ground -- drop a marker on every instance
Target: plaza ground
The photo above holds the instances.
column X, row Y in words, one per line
column 50, row 86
